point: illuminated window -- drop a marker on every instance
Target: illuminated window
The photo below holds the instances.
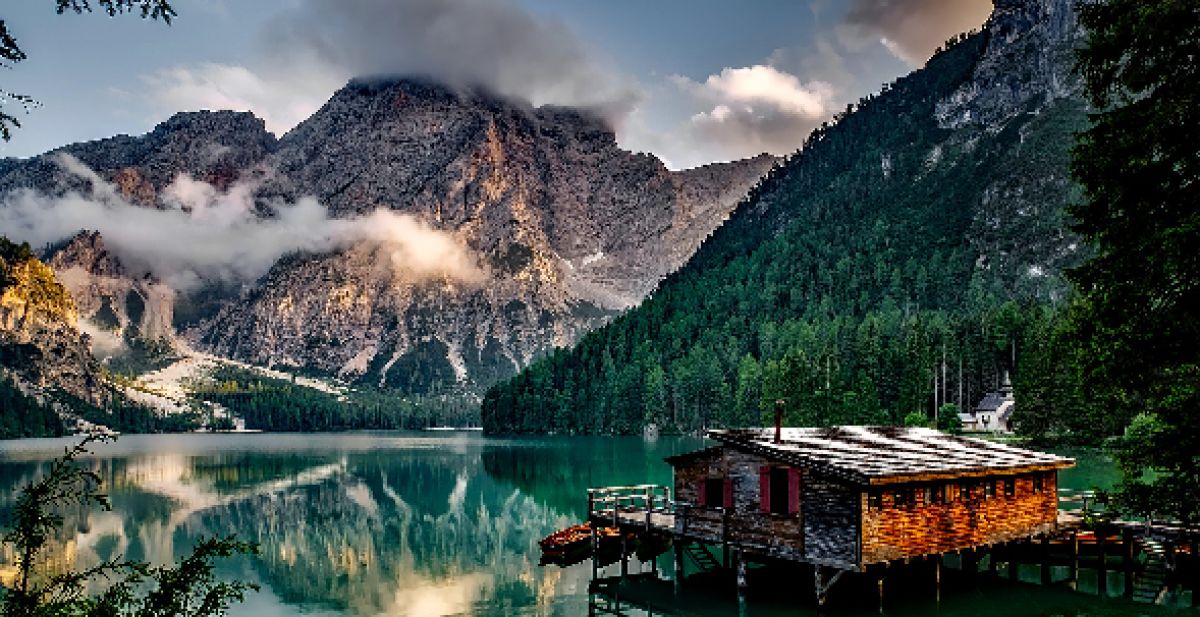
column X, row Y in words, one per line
column 1039, row 483
column 1010, row 488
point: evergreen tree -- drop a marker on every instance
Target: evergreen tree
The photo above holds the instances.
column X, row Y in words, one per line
column 1139, row 317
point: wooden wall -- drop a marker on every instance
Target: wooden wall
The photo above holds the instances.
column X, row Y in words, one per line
column 776, row 535
column 831, row 520
column 895, row 532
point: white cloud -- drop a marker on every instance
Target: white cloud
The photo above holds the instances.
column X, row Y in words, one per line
column 316, row 46
column 207, row 234
column 764, row 86
column 745, row 111
column 282, row 100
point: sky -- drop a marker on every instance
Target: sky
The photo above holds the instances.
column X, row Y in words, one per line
column 691, row 81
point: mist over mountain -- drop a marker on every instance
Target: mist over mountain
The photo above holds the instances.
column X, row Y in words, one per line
column 907, row 257
column 410, row 234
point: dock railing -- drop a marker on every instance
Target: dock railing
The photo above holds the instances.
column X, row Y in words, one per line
column 630, row 503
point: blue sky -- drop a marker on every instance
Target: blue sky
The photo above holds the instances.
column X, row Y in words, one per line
column 692, row 81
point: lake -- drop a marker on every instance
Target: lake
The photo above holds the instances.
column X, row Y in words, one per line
column 413, row 523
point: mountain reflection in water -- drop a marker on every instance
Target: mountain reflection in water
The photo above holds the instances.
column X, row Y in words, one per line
column 380, row 523
column 359, row 524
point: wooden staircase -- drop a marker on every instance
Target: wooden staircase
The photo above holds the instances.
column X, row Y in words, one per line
column 1152, row 583
column 702, row 557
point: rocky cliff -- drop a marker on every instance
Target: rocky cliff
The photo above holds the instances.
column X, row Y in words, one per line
column 566, row 227
column 40, row 348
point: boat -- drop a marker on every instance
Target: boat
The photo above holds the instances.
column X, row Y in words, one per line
column 566, row 541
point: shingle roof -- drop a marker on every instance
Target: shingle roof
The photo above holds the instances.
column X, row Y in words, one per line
column 889, row 454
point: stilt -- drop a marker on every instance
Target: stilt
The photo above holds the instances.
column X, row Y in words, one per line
column 1102, row 565
column 823, row 584
column 678, row 550
column 595, row 552
column 1127, row 550
column 624, row 557
column 937, row 577
column 743, row 582
column 1046, row 572
column 879, row 584
column 1075, row 558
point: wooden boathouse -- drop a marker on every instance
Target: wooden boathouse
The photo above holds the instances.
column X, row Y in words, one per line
column 841, row 499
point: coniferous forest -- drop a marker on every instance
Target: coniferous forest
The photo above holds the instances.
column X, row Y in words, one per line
column 849, row 284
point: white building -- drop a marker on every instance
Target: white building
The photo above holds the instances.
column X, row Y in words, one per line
column 993, row 413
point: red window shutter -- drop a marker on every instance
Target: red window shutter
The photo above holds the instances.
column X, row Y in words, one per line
column 793, row 490
column 702, row 498
column 728, row 493
column 764, row 488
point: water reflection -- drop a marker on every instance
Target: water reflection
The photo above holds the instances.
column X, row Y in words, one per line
column 357, row 524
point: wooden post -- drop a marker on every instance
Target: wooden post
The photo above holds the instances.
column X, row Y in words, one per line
column 678, row 550
column 743, row 582
column 1102, row 565
column 624, row 556
column 937, row 577
column 649, row 505
column 1046, row 573
column 595, row 551
column 1075, row 558
column 879, row 584
column 1127, row 559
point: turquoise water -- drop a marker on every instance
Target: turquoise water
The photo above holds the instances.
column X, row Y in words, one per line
column 416, row 524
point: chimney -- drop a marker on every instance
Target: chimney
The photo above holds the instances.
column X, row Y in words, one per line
column 778, row 420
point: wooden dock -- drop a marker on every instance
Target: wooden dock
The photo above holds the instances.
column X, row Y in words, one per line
column 650, row 510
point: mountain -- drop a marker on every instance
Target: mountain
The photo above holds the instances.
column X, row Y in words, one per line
column 906, row 257
column 41, row 352
column 565, row 228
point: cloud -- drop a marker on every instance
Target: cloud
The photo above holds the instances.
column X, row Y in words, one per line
column 281, row 98
column 315, row 46
column 913, row 29
column 204, row 234
column 750, row 110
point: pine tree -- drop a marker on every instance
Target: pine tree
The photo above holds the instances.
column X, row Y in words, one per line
column 1139, row 317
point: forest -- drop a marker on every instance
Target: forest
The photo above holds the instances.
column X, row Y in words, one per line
column 848, row 284
column 273, row 404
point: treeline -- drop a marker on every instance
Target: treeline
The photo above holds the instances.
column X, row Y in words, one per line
column 855, row 283
column 24, row 416
column 271, row 404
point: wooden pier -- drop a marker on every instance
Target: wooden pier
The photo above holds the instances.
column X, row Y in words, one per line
column 866, row 502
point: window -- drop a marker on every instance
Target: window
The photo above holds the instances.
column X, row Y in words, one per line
column 905, row 497
column 1039, row 483
column 936, row 494
column 714, row 493
column 780, row 498
column 926, row 495
column 952, row 493
column 874, row 501
column 966, row 491
column 989, row 489
column 1010, row 488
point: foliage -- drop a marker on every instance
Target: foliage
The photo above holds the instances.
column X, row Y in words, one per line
column 1137, row 325
column 917, row 419
column 11, row 53
column 133, row 588
column 269, row 403
column 845, row 284
column 948, row 420
column 24, row 416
